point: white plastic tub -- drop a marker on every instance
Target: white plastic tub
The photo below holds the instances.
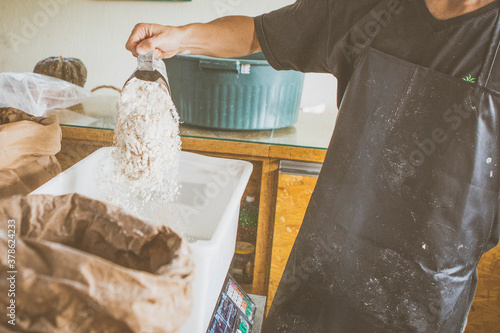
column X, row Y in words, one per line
column 211, row 190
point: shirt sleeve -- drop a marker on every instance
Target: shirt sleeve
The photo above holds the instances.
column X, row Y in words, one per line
column 296, row 37
column 302, row 36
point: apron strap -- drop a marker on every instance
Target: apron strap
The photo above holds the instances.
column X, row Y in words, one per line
column 490, row 73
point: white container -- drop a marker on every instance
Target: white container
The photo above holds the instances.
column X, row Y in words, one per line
column 211, row 190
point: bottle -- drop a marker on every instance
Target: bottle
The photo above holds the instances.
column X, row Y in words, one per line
column 248, row 220
column 241, row 268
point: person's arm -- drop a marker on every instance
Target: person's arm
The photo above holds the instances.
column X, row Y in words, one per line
column 226, row 37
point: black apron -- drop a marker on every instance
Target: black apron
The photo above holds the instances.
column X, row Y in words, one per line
column 404, row 207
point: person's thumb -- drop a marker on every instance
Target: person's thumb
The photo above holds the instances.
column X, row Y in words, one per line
column 166, row 55
column 146, row 45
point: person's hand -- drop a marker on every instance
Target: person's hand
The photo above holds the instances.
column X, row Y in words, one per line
column 165, row 40
column 225, row 37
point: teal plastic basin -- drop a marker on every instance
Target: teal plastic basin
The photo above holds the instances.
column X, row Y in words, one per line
column 235, row 94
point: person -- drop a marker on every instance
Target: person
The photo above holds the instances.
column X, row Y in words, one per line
column 407, row 199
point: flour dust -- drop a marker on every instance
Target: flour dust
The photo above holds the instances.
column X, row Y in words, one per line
column 147, row 151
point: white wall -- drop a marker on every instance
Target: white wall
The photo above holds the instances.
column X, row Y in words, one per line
column 96, row 31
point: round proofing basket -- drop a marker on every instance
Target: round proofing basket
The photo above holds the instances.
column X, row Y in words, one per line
column 235, row 94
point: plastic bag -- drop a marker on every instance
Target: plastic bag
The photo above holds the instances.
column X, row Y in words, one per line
column 36, row 93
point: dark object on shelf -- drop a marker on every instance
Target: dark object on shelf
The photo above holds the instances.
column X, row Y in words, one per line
column 243, row 261
column 248, row 220
column 239, row 93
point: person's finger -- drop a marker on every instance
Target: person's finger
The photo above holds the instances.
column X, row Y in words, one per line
column 132, row 40
column 138, row 34
column 166, row 55
column 158, row 54
column 146, row 45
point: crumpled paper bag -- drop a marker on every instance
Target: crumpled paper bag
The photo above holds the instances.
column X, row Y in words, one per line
column 28, row 146
column 86, row 266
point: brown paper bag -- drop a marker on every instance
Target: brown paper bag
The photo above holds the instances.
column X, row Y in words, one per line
column 28, row 146
column 86, row 266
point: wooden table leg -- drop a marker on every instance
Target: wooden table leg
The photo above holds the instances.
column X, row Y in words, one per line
column 267, row 208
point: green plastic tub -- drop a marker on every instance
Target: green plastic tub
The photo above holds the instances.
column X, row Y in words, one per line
column 235, row 94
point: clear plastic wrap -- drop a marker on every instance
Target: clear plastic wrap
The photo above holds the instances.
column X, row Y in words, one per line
column 36, row 93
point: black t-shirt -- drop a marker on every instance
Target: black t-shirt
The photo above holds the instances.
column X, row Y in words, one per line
column 328, row 35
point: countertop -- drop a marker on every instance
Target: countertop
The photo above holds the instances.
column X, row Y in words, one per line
column 311, row 130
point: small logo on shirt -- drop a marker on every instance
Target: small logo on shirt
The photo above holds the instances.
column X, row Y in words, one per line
column 469, row 79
